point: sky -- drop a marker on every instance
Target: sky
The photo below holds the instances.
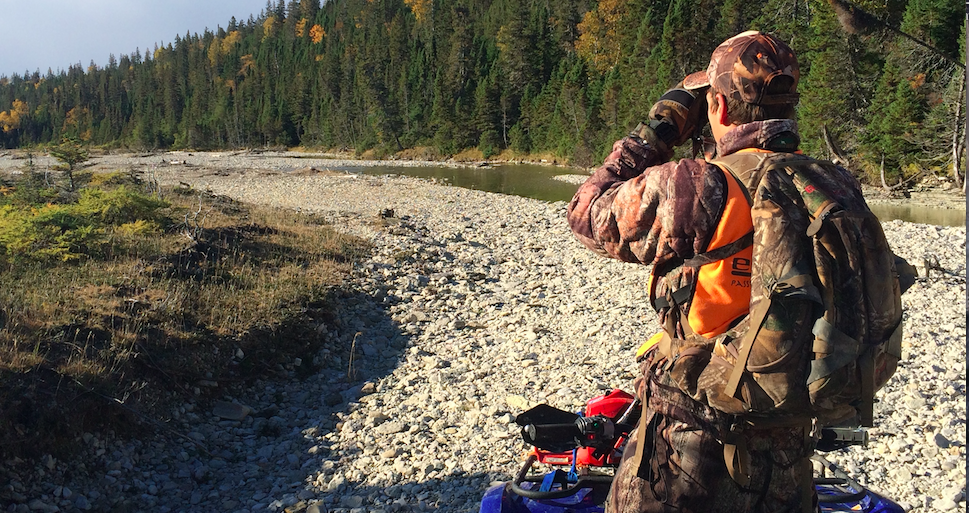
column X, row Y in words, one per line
column 54, row 34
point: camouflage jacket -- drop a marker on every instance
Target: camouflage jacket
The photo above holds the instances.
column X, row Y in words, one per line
column 639, row 208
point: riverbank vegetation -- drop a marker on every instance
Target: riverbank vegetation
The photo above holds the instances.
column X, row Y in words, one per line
column 563, row 78
column 121, row 299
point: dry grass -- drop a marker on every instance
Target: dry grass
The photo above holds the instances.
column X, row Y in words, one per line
column 420, row 153
column 469, row 155
column 143, row 325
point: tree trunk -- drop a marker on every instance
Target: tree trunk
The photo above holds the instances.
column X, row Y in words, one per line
column 834, row 149
column 881, row 173
column 958, row 130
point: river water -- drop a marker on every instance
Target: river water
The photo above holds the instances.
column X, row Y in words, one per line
column 535, row 181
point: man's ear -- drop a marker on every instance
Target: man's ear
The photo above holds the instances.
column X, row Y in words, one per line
column 717, row 109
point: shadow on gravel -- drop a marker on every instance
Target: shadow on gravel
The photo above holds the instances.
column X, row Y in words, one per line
column 458, row 492
column 202, row 460
column 371, row 346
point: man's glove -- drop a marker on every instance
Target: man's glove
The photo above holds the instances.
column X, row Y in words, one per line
column 676, row 116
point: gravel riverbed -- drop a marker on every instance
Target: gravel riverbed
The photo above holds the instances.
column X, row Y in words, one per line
column 471, row 307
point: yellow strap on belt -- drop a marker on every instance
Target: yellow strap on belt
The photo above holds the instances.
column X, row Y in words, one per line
column 648, row 344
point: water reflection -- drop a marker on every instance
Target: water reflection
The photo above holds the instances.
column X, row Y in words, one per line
column 528, row 180
column 920, row 214
column 534, row 181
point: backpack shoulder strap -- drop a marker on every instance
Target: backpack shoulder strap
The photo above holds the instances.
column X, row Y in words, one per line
column 750, row 165
column 751, row 168
column 746, row 166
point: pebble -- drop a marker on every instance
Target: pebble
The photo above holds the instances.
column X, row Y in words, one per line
column 471, row 308
column 941, row 440
column 231, row 411
column 945, row 505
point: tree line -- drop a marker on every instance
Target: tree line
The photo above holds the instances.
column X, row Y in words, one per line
column 535, row 76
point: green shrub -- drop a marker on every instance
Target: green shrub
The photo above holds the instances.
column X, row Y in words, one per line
column 51, row 232
column 139, row 227
column 119, row 206
column 29, row 189
column 489, row 143
column 520, row 140
column 31, row 230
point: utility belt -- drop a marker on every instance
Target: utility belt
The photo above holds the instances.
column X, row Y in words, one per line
column 664, row 403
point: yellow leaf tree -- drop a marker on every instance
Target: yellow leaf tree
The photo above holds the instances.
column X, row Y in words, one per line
column 231, row 39
column 317, row 33
column 599, row 42
column 420, row 8
column 268, row 28
column 10, row 120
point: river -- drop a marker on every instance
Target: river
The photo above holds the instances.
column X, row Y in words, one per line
column 535, row 181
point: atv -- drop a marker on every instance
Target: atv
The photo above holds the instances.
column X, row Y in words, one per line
column 590, row 443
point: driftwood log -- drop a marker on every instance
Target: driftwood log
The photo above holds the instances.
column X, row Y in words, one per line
column 898, row 190
column 838, row 155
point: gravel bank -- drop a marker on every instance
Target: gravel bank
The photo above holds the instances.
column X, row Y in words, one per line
column 187, row 162
column 471, row 305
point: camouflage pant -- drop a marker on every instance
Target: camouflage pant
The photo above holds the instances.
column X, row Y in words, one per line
column 684, row 468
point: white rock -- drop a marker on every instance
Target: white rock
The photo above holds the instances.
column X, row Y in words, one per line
column 389, row 428
column 335, row 483
column 944, row 505
column 231, row 411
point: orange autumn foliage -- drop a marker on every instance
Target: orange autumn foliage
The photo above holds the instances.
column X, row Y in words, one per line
column 10, row 120
column 420, row 8
column 317, row 33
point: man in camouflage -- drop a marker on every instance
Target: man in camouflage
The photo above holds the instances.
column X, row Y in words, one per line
column 640, row 207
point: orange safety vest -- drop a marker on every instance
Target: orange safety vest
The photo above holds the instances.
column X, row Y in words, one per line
column 721, row 294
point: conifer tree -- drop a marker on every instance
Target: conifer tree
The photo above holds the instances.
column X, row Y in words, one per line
column 827, row 84
column 898, row 110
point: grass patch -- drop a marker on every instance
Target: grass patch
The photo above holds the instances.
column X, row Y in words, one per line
column 420, row 153
column 121, row 298
column 469, row 155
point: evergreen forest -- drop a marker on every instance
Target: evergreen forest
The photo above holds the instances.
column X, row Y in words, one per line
column 562, row 78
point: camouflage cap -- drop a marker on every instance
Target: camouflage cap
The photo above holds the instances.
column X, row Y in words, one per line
column 743, row 66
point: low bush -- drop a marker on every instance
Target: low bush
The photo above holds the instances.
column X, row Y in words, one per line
column 71, row 231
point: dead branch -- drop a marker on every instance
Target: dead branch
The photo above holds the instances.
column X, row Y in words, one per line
column 833, row 148
column 956, row 139
column 899, row 189
column 193, row 227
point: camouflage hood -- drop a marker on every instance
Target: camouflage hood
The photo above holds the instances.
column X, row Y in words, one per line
column 774, row 134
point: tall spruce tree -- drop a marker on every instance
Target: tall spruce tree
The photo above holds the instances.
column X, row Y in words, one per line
column 827, row 84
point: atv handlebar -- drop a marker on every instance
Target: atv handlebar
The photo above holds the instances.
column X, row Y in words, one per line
column 834, row 438
column 552, row 437
column 600, row 430
column 597, row 431
column 567, row 489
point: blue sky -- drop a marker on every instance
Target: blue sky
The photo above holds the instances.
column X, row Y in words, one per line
column 42, row 34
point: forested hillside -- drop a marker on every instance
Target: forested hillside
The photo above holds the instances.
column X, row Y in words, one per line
column 565, row 77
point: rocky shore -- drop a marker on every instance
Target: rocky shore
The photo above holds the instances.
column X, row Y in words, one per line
column 471, row 307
